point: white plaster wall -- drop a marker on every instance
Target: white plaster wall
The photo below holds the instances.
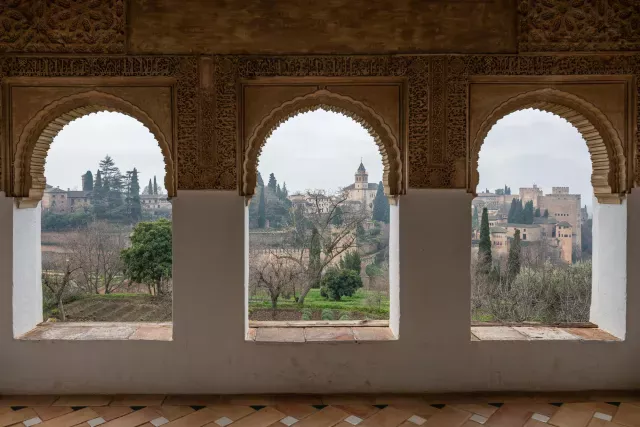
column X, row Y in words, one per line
column 209, row 353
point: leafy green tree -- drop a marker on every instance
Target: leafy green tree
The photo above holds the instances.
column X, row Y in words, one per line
column 351, row 261
column 546, row 213
column 155, row 186
column 337, row 283
column 272, row 185
column 527, row 213
column 484, row 248
column 360, row 234
column 87, row 181
column 149, row 259
column 500, row 191
column 338, row 217
column 262, row 219
column 381, row 205
column 133, row 197
column 537, row 213
column 513, row 262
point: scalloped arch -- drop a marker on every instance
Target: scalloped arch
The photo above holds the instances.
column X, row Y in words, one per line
column 382, row 134
column 609, row 168
column 38, row 134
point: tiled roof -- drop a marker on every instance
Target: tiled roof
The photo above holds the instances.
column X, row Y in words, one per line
column 498, row 230
column 564, row 224
column 522, row 225
column 372, row 186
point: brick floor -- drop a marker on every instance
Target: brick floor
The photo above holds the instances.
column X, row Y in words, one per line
column 492, row 410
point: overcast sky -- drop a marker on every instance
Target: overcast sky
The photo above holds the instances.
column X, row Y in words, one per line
column 319, row 149
column 535, row 147
column 323, row 149
column 81, row 145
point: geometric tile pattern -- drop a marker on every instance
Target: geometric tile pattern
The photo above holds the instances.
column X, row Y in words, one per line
column 518, row 410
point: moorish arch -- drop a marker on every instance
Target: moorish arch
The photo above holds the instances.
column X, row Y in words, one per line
column 609, row 167
column 384, row 137
column 33, row 144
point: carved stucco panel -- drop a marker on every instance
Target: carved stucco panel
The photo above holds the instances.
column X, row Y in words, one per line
column 79, row 26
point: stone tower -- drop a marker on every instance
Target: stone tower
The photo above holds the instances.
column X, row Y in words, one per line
column 362, row 178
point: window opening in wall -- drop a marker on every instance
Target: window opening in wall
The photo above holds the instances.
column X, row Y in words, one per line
column 319, row 224
column 106, row 224
column 535, row 172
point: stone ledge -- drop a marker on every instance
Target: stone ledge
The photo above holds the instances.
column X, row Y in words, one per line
column 324, row 334
column 100, row 331
column 538, row 333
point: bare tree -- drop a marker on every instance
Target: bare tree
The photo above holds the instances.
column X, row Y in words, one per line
column 56, row 277
column 329, row 229
column 96, row 251
column 274, row 274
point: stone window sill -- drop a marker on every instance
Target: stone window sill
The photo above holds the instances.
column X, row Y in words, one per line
column 100, row 331
column 539, row 333
column 320, row 332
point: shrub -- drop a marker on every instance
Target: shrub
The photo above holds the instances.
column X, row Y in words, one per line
column 327, row 314
column 307, row 314
column 345, row 316
column 338, row 283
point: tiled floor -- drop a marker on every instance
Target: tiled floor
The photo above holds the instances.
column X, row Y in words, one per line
column 521, row 410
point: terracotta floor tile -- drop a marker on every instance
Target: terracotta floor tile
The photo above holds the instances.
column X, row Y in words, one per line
column 628, row 415
column 5, row 410
column 595, row 422
column 328, row 334
column 261, row 418
column 510, row 415
column 134, row 418
column 390, row 399
column 87, row 400
column 448, row 417
column 467, row 423
column 421, row 409
column 233, row 412
column 497, row 333
column 535, row 423
column 71, row 419
column 591, row 334
column 305, row 399
column 45, row 413
column 480, row 409
column 195, row 419
column 573, row 415
column 189, row 400
column 387, row 417
column 14, row 417
column 280, row 335
column 171, row 412
column 109, row 413
column 138, row 400
column 360, row 411
column 295, row 410
column 373, row 334
column 325, row 417
column 35, row 400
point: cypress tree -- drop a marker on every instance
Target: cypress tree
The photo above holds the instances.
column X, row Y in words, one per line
column 546, row 213
column 150, row 187
column 513, row 262
column 338, row 217
column 135, row 208
column 474, row 218
column 279, row 192
column 262, row 220
column 272, row 183
column 537, row 213
column 527, row 213
column 285, row 192
column 155, row 186
column 512, row 211
column 87, row 181
column 381, row 205
column 518, row 214
column 484, row 249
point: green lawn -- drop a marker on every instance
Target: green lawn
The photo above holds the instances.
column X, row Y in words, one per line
column 314, row 300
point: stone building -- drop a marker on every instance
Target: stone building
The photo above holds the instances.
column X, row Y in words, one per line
column 362, row 191
column 565, row 207
column 530, row 194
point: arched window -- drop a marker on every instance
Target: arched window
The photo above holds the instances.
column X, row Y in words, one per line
column 94, row 181
column 319, row 247
column 536, row 185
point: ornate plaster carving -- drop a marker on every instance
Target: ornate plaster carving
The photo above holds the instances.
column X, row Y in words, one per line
column 323, row 99
column 608, row 159
column 82, row 26
column 579, row 25
column 38, row 134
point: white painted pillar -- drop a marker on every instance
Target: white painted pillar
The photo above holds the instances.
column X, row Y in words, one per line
column 609, row 292
column 27, row 269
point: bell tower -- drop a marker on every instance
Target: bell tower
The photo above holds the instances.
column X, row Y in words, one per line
column 362, row 178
